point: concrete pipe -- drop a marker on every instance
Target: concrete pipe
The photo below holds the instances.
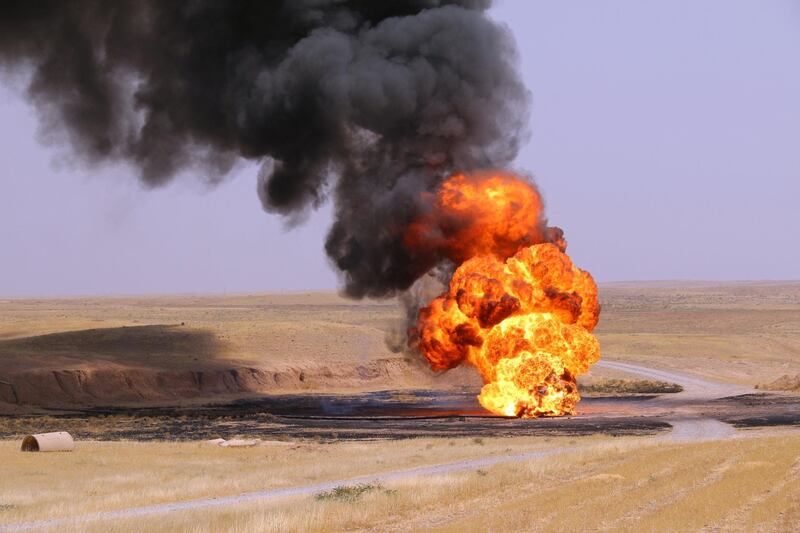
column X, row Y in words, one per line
column 59, row 441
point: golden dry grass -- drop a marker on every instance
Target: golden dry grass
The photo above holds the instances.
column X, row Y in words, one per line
column 112, row 475
column 630, row 484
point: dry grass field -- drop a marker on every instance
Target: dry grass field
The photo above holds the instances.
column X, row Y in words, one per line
column 127, row 474
column 597, row 484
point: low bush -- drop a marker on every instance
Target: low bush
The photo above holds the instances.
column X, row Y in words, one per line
column 347, row 493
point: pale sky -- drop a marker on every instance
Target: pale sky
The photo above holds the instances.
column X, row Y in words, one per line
column 664, row 139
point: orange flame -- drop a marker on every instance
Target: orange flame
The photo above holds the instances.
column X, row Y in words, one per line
column 517, row 308
column 479, row 214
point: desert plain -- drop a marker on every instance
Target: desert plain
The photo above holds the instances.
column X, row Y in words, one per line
column 690, row 423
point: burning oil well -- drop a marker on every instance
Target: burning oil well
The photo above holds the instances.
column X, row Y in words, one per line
column 516, row 308
column 400, row 113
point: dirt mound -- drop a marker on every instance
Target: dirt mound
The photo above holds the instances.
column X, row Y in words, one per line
column 167, row 363
column 629, row 386
column 784, row 383
column 113, row 386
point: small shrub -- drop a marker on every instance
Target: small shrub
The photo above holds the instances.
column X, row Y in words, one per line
column 7, row 506
column 346, row 493
column 478, row 440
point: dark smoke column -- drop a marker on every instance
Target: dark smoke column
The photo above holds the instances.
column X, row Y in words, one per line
column 370, row 102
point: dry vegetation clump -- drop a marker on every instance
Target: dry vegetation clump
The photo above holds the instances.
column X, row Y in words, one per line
column 347, row 493
column 630, row 386
column 784, row 383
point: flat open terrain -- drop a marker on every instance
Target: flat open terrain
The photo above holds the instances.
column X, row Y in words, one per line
column 109, row 351
column 351, row 435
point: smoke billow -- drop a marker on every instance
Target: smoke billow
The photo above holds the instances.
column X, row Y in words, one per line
column 370, row 103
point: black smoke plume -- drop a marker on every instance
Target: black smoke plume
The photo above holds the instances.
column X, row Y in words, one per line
column 369, row 102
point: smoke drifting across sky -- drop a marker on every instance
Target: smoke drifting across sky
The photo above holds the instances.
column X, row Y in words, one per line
column 367, row 103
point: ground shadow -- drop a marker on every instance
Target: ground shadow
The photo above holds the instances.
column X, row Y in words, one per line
column 152, row 345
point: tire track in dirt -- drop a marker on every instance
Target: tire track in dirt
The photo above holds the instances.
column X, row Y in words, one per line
column 734, row 521
column 508, row 496
column 629, row 518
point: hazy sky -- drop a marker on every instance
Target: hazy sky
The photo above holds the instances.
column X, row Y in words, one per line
column 664, row 138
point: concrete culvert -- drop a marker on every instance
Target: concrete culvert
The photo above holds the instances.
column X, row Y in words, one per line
column 59, row 441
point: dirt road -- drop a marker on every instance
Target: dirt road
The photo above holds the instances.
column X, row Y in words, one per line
column 685, row 428
column 693, row 386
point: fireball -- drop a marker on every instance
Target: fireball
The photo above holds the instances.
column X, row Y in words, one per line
column 517, row 308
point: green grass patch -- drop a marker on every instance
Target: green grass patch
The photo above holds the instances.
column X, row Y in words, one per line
column 347, row 493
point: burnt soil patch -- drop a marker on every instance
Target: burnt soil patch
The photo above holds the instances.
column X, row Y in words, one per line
column 368, row 416
column 389, row 414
